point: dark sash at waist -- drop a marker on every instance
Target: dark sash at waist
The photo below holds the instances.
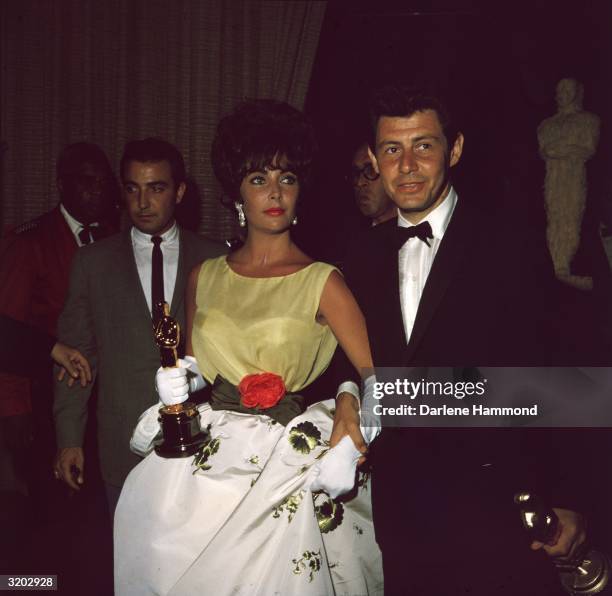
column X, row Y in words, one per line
column 226, row 396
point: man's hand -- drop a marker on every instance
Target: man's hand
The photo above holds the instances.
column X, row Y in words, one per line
column 67, row 460
column 346, row 422
column 572, row 534
column 73, row 362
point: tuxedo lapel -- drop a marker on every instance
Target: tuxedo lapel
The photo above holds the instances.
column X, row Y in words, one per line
column 395, row 333
column 449, row 259
column 379, row 296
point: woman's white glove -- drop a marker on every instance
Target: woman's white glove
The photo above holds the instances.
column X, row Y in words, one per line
column 173, row 385
column 194, row 376
column 369, row 422
column 146, row 432
column 335, row 472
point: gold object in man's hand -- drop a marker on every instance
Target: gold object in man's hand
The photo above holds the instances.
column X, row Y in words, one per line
column 587, row 571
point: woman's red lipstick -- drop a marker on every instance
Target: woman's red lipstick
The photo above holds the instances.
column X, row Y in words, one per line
column 274, row 211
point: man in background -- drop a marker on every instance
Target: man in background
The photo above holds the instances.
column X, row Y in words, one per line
column 373, row 203
column 370, row 196
column 110, row 310
column 34, row 270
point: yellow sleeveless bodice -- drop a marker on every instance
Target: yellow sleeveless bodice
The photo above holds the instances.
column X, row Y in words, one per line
column 246, row 325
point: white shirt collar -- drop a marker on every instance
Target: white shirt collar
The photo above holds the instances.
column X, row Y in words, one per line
column 168, row 237
column 439, row 218
column 74, row 224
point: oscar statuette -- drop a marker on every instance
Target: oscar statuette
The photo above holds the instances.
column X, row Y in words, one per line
column 180, row 423
column 588, row 570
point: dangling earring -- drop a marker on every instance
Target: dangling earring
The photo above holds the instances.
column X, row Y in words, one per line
column 241, row 217
column 294, row 221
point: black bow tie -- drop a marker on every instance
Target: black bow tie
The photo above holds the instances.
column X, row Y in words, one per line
column 421, row 231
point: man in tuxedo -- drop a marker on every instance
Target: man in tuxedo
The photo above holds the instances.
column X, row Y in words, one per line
column 34, row 270
column 110, row 311
column 444, row 285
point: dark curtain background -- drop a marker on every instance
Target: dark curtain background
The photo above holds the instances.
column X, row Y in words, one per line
column 117, row 70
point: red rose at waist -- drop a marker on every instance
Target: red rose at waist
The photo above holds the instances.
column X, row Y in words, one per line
column 261, row 390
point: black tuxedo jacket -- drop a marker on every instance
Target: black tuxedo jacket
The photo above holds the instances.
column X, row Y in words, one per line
column 489, row 300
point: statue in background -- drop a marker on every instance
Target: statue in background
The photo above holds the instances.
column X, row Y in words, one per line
column 567, row 140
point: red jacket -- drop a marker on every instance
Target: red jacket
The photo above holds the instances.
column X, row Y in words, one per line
column 34, row 273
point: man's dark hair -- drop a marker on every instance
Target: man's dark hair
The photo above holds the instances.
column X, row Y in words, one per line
column 255, row 134
column 404, row 101
column 153, row 150
column 73, row 156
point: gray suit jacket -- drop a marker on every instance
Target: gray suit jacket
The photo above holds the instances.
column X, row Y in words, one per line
column 106, row 317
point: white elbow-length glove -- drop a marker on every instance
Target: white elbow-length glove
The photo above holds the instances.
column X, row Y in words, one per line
column 335, row 472
column 173, row 385
column 369, row 422
column 146, row 432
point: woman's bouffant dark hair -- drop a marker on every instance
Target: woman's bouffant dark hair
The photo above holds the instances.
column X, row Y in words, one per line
column 253, row 135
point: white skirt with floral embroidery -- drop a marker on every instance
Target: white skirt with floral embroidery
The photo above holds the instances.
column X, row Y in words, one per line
column 238, row 518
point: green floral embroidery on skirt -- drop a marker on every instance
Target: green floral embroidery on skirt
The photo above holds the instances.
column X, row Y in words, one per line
column 208, row 449
column 309, row 560
column 290, row 504
column 329, row 515
column 304, row 437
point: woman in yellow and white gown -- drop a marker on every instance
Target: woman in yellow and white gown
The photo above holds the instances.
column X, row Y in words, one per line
column 239, row 517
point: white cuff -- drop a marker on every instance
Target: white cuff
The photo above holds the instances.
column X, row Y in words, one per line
column 146, row 431
column 194, row 376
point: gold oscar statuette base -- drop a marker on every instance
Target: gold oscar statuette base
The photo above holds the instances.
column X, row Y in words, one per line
column 181, row 432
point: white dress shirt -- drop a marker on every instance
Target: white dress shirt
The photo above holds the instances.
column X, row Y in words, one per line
column 143, row 251
column 415, row 262
column 74, row 225
column 416, row 259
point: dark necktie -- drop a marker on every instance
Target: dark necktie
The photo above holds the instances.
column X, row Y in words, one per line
column 157, row 280
column 421, row 231
column 87, row 234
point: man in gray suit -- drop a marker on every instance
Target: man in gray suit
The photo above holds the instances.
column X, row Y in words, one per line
column 108, row 314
